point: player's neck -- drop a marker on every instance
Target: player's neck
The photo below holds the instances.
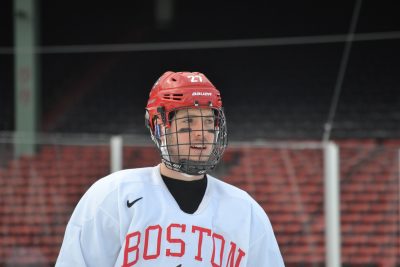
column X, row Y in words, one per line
column 178, row 175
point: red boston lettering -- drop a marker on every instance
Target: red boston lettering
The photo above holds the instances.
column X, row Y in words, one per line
column 200, row 243
column 153, row 242
column 173, row 243
column 131, row 249
column 179, row 241
column 231, row 257
column 221, row 249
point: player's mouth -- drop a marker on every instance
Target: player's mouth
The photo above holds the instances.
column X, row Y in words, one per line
column 198, row 147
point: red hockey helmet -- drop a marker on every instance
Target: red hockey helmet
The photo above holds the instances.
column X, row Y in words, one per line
column 175, row 91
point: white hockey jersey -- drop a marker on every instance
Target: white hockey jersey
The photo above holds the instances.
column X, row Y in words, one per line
column 129, row 218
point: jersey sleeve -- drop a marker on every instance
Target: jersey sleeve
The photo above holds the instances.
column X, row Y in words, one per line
column 71, row 251
column 265, row 252
column 92, row 235
column 264, row 249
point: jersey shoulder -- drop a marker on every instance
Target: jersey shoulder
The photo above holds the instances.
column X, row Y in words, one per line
column 114, row 180
column 228, row 190
column 225, row 189
column 105, row 192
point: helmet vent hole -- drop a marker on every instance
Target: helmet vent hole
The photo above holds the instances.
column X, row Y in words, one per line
column 173, row 79
column 173, row 96
column 177, row 96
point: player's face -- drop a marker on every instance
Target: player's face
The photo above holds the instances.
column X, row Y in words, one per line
column 191, row 135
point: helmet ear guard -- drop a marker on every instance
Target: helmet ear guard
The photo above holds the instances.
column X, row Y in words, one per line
column 147, row 120
column 152, row 125
column 154, row 128
column 157, row 131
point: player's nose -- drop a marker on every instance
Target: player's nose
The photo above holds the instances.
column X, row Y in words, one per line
column 197, row 125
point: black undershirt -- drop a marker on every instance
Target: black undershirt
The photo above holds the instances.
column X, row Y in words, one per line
column 188, row 194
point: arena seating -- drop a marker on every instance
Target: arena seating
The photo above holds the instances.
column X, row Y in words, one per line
column 289, row 185
column 284, row 92
column 288, row 97
column 40, row 192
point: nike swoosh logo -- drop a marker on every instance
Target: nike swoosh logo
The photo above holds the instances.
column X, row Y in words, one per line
column 130, row 204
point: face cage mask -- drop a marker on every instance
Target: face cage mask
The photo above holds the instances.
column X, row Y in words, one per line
column 195, row 141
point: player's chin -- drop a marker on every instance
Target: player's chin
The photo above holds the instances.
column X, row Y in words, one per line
column 200, row 152
column 196, row 155
column 199, row 158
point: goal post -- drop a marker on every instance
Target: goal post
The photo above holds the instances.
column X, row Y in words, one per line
column 332, row 204
column 116, row 153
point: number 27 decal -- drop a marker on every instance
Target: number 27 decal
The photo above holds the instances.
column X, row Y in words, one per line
column 195, row 78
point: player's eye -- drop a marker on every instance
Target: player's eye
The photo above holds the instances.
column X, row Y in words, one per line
column 188, row 120
column 184, row 130
column 209, row 121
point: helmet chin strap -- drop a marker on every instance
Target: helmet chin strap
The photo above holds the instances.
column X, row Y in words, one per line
column 192, row 167
column 161, row 141
column 164, row 148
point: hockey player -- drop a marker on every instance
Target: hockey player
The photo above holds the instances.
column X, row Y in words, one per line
column 173, row 214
